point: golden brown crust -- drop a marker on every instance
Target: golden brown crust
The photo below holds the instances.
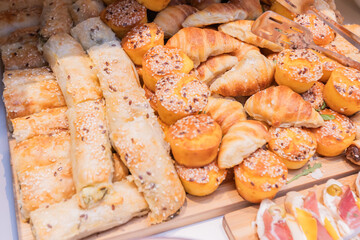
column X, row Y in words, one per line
column 154, row 5
column 328, row 65
column 151, row 97
column 120, row 170
column 253, row 9
column 353, row 152
column 356, row 120
column 12, row 78
column 81, row 10
column 315, row 95
column 202, row 4
column 29, row 34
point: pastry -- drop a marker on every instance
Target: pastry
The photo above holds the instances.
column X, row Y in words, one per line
column 82, row 10
column 214, row 67
column 328, row 65
column 315, row 96
column 214, row 14
column 200, row 44
column 280, row 9
column 24, row 35
column 19, row 4
column 273, row 57
column 298, row 69
column 160, row 61
column 294, row 146
column 151, row 97
column 90, row 152
column 342, row 91
column 201, row 181
column 281, row 107
column 353, row 152
column 194, row 140
column 321, row 32
column 241, row 30
column 120, row 170
column 156, row 6
column 180, row 95
column 75, row 75
column 356, row 120
column 241, row 140
column 177, row 2
column 140, row 39
column 252, row 8
column 171, row 18
column 55, row 18
column 13, row 78
column 225, row 111
column 121, row 16
column 260, row 176
column 202, row 4
column 253, row 73
column 336, row 134
column 92, row 32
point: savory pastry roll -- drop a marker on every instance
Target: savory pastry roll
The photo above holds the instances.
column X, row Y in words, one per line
column 140, row 39
column 11, row 78
column 120, row 170
column 298, row 69
column 90, row 152
column 202, row 4
column 294, row 146
column 342, row 91
column 46, row 122
column 25, row 99
column 55, row 18
column 194, row 140
column 225, row 111
column 281, row 107
column 123, row 204
column 92, row 32
column 252, row 8
column 353, row 152
column 241, row 140
column 260, row 176
column 81, row 10
column 337, row 133
column 315, row 96
column 6, row 5
column 180, row 95
column 72, row 68
column 171, row 18
column 160, row 61
column 201, row 181
column 28, row 34
column 121, row 16
column 200, row 44
column 154, row 5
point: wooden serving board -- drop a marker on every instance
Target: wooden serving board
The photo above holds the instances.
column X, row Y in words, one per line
column 239, row 224
column 224, row 200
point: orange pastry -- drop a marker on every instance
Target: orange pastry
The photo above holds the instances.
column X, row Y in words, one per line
column 342, row 91
column 201, row 181
column 273, row 57
column 294, row 146
column 160, row 61
column 140, row 39
column 121, row 16
column 151, row 97
column 280, row 9
column 260, row 176
column 315, row 96
column 298, row 69
column 336, row 135
column 194, row 140
column 156, row 5
column 180, row 95
column 328, row 65
column 353, row 152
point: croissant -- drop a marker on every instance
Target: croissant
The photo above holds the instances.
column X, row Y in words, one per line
column 202, row 4
column 213, row 67
column 252, row 74
column 241, row 30
column 281, row 107
column 199, row 44
column 171, row 18
column 251, row 7
column 240, row 141
column 225, row 111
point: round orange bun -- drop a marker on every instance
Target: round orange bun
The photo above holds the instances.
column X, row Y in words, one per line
column 194, row 140
column 342, row 91
column 328, row 65
column 294, row 146
column 335, row 135
column 315, row 96
column 201, row 181
column 154, row 5
column 298, row 69
column 260, row 176
column 151, row 97
column 180, row 95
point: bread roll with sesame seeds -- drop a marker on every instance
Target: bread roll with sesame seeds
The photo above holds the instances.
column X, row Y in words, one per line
column 342, row 91
column 201, row 181
column 328, row 65
column 151, row 97
column 336, row 134
column 180, row 95
column 121, row 16
column 315, row 96
column 140, row 39
column 260, row 176
column 160, row 61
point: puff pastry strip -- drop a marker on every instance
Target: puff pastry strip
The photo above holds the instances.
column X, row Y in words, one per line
column 124, row 203
column 12, row 78
column 6, row 5
column 81, row 10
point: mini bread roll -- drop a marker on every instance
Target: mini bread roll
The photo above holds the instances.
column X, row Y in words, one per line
column 294, row 146
column 336, row 134
column 260, row 176
column 140, row 39
column 328, row 65
column 298, row 69
column 201, row 181
column 353, row 152
column 154, row 5
column 315, row 96
column 82, row 10
column 342, row 91
column 121, row 16
column 160, row 61
column 194, row 140
column 180, row 95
